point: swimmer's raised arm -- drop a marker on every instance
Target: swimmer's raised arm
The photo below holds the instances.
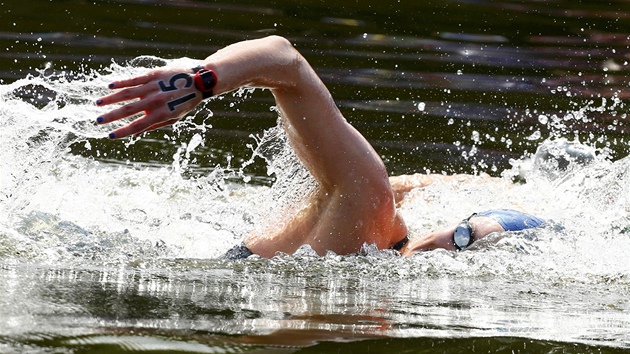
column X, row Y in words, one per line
column 354, row 203
column 320, row 135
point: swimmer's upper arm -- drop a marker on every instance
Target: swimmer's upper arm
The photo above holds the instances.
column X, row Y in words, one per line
column 355, row 194
column 345, row 165
column 335, row 153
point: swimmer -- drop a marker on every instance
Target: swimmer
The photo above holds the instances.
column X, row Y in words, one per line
column 355, row 201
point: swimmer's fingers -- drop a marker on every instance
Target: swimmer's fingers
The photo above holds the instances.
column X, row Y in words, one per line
column 164, row 96
column 135, row 87
column 156, row 117
column 159, row 110
column 130, row 109
column 135, row 81
column 127, row 94
column 145, row 123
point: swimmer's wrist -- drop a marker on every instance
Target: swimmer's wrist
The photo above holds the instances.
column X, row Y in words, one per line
column 205, row 81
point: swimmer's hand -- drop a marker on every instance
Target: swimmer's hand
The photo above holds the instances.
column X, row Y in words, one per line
column 164, row 95
column 437, row 239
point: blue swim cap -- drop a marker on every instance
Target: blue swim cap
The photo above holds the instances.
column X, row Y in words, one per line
column 513, row 220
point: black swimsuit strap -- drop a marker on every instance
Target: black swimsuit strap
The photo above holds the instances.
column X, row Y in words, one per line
column 400, row 244
column 237, row 252
column 241, row 251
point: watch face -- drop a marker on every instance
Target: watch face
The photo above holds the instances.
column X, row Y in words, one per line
column 462, row 237
column 208, row 80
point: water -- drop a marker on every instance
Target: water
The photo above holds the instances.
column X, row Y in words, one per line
column 113, row 246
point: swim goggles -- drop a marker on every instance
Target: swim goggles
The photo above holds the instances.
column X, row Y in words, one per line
column 463, row 235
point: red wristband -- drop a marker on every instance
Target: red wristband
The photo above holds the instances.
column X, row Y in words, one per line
column 205, row 81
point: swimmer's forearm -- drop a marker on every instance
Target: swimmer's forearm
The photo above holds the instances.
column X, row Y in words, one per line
column 402, row 185
column 166, row 94
column 269, row 62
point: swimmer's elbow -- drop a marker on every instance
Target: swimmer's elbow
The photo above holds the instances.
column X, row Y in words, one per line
column 291, row 68
column 279, row 42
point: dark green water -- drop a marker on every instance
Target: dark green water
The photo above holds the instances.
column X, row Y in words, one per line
column 102, row 247
column 483, row 70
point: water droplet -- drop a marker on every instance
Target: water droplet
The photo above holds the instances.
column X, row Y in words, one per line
column 542, row 119
column 535, row 136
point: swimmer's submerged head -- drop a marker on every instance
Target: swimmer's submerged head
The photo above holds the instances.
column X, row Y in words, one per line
column 463, row 234
column 490, row 221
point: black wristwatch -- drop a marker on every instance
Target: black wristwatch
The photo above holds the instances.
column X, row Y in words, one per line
column 205, row 81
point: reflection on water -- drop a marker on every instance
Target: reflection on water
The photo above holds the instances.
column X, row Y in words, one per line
column 294, row 302
column 111, row 245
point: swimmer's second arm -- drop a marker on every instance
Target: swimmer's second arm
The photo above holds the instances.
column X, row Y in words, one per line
column 402, row 185
column 163, row 95
column 482, row 226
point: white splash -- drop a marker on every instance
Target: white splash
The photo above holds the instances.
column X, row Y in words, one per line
column 59, row 205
